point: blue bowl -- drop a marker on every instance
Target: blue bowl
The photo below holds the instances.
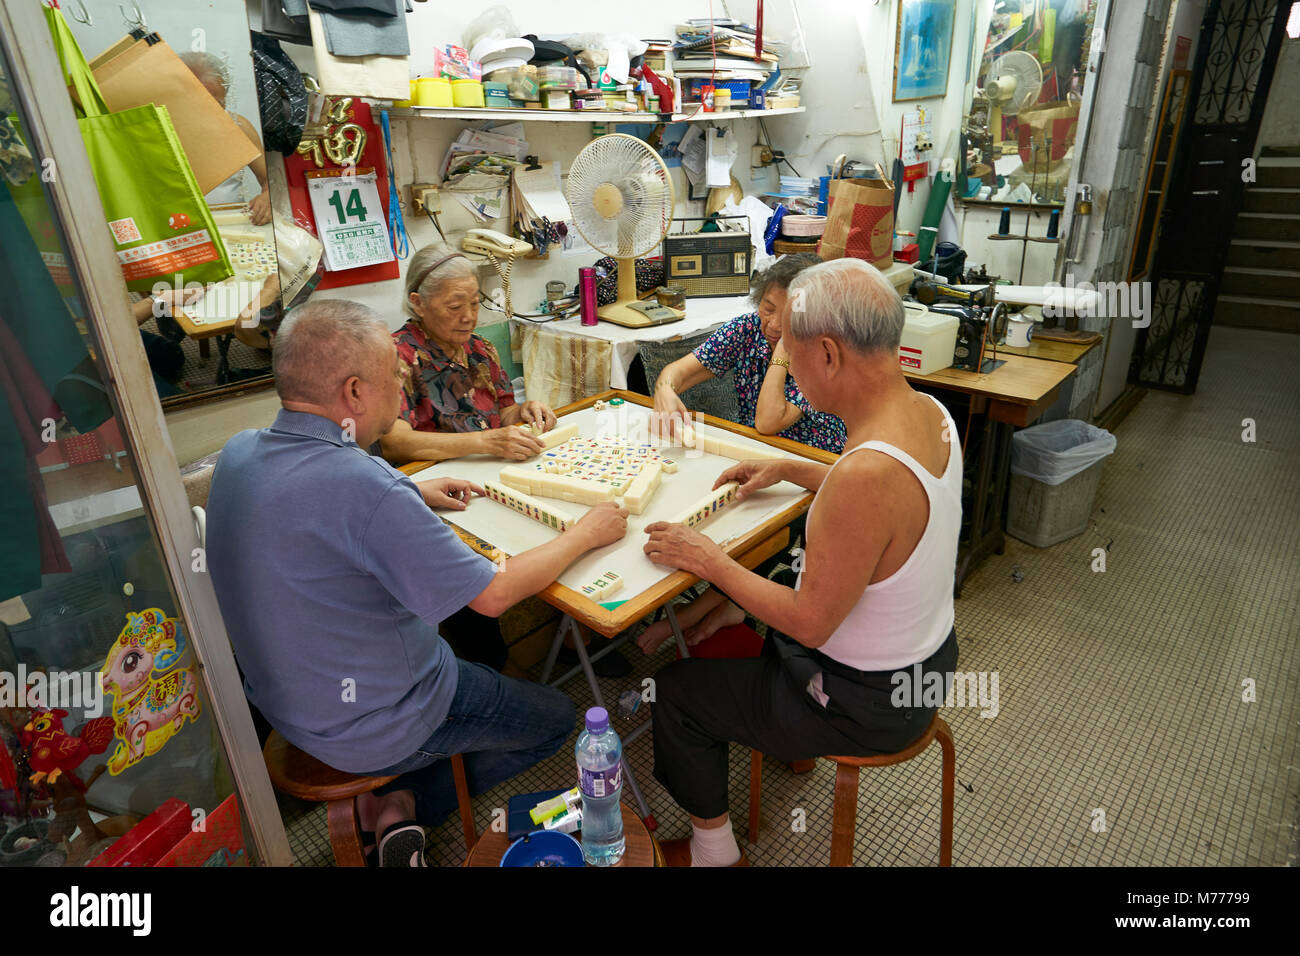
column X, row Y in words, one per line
column 544, row 848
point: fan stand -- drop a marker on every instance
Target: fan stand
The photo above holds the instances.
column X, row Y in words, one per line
column 622, row 312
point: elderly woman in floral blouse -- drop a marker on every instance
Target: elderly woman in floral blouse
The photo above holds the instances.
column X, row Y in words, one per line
column 457, row 399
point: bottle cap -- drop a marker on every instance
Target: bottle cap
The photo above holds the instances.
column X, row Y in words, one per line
column 597, row 720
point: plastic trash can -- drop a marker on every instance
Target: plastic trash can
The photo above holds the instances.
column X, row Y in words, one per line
column 1055, row 470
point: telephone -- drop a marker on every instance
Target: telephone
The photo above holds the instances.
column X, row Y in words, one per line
column 497, row 246
column 490, row 242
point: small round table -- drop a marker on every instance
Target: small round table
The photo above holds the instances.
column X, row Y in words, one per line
column 641, row 848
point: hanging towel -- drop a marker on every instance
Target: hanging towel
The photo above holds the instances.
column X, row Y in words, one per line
column 280, row 25
column 356, row 35
column 381, row 77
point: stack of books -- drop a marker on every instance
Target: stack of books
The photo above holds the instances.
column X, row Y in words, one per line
column 724, row 51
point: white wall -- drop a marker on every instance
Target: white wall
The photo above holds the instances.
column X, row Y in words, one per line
column 847, row 94
column 1280, row 125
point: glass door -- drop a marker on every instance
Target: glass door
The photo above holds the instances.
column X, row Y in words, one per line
column 121, row 713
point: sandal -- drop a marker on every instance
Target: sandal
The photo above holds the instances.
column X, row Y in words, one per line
column 402, row 844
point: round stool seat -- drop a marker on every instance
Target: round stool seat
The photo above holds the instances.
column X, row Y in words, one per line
column 885, row 760
column 301, row 775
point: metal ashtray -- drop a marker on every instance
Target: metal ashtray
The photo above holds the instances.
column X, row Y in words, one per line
column 672, row 296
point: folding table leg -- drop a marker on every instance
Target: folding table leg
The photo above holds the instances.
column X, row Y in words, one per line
column 585, row 663
column 677, row 630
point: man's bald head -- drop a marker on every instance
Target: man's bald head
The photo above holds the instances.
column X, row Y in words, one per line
column 322, row 344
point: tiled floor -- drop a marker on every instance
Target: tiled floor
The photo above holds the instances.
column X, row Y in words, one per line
column 1122, row 736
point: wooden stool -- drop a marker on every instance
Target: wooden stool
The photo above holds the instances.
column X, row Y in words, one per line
column 303, row 776
column 847, row 773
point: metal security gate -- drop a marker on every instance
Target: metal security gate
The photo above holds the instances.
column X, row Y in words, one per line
column 1238, row 50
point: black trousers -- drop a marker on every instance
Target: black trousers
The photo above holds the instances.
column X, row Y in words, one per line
column 762, row 702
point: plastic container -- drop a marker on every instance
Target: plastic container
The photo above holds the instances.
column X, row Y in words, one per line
column 557, row 77
column 600, row 779
column 557, row 99
column 1055, row 470
column 410, row 101
column 433, row 91
column 721, row 100
column 928, row 341
column 467, row 93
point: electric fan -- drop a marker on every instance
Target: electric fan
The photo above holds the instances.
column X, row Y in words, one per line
column 1014, row 82
column 621, row 197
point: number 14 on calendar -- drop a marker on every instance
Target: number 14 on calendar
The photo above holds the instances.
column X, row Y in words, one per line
column 349, row 218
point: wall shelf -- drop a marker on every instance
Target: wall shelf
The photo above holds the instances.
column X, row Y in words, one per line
column 577, row 116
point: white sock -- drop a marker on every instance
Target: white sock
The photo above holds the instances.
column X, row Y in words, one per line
column 715, row 846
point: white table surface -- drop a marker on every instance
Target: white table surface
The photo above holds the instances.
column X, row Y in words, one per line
column 701, row 315
column 513, row 533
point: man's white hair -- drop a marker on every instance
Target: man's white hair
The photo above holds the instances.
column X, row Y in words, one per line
column 323, row 343
column 848, row 300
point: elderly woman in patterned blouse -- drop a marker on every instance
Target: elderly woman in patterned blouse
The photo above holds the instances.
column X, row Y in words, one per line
column 457, row 399
column 768, row 398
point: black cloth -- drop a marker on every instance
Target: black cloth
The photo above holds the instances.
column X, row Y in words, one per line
column 280, row 26
column 370, row 8
column 281, row 95
column 762, row 702
column 475, row 638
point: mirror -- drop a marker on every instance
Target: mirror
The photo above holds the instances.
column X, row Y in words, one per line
column 201, row 339
column 1021, row 127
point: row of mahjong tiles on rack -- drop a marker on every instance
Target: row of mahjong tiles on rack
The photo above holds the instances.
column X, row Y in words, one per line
column 512, row 529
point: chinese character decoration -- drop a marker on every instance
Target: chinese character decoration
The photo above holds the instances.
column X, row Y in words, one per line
column 336, row 139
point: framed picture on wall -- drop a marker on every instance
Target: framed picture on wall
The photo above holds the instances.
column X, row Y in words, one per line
column 923, row 48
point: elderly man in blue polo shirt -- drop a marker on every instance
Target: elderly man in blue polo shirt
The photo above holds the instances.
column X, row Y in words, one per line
column 333, row 574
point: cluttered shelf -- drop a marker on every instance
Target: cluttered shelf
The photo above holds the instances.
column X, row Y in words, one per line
column 579, row 116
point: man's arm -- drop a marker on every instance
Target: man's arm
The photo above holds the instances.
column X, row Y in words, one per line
column 402, row 443
column 529, row 572
column 847, row 536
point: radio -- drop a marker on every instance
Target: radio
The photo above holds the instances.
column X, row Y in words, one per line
column 709, row 264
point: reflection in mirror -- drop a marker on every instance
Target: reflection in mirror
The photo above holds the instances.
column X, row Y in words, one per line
column 182, row 319
column 84, row 590
column 1020, row 130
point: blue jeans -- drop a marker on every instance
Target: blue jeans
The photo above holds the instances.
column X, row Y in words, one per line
column 500, row 725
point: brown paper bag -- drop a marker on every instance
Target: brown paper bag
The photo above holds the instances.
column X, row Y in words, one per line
column 859, row 221
column 136, row 73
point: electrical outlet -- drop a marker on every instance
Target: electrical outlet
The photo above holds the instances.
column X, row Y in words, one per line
column 760, row 155
column 426, row 196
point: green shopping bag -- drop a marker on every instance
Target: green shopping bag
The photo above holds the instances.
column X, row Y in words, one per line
column 160, row 223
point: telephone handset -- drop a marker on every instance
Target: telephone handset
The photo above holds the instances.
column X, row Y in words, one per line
column 489, row 241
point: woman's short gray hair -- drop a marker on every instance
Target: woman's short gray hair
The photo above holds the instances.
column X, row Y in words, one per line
column 780, row 274
column 448, row 264
column 323, row 343
column 848, row 300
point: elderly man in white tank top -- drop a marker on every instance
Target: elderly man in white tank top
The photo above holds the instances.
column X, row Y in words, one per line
column 875, row 593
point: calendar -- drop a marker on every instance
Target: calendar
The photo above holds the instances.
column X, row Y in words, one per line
column 349, row 218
